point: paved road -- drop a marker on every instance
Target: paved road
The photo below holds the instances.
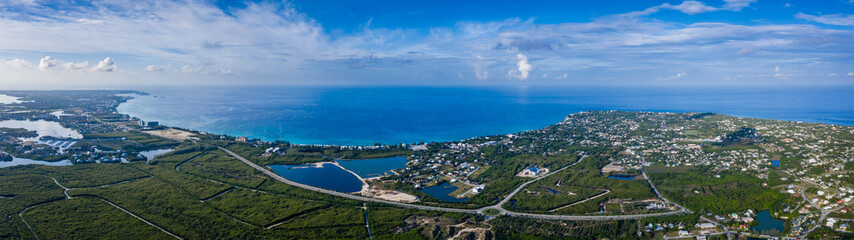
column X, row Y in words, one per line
column 444, row 209
column 728, row 236
column 654, row 189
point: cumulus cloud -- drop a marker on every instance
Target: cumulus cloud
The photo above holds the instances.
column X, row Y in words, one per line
column 106, row 65
column 49, row 63
column 17, row 62
column 851, row 74
column 829, row 19
column 524, row 68
column 158, row 68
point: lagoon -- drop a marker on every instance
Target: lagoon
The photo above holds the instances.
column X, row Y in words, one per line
column 23, row 161
column 6, row 99
column 442, row 192
column 326, row 175
column 367, row 168
column 43, row 128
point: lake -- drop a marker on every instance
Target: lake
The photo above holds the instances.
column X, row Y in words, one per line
column 367, row 168
column 622, row 177
column 327, row 176
column 23, row 161
column 154, row 153
column 768, row 224
column 442, row 192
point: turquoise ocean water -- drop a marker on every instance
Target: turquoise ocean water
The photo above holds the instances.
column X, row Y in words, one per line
column 366, row 115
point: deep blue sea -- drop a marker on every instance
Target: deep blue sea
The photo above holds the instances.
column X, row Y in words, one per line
column 366, row 115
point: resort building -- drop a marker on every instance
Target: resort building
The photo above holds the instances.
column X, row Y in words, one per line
column 532, row 172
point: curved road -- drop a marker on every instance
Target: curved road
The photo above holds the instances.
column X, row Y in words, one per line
column 458, row 210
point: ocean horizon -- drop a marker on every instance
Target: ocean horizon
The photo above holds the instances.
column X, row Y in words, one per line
column 391, row 115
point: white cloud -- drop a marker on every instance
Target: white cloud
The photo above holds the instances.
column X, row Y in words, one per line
column 49, row 63
column 18, row 2
column 690, row 7
column 269, row 41
column 679, row 75
column 524, row 68
column 737, row 5
column 89, row 21
column 830, row 19
column 831, row 75
column 17, row 62
column 564, row 76
column 779, row 74
column 851, row 74
column 172, row 32
column 787, row 5
column 106, row 65
column 204, row 70
column 480, row 66
column 158, row 68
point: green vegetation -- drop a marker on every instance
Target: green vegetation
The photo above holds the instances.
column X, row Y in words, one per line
column 265, row 209
column 525, row 228
column 84, row 218
column 219, row 166
column 132, row 141
column 585, row 180
column 491, row 212
column 702, row 191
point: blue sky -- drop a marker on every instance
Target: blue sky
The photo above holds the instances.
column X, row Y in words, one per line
column 91, row 44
